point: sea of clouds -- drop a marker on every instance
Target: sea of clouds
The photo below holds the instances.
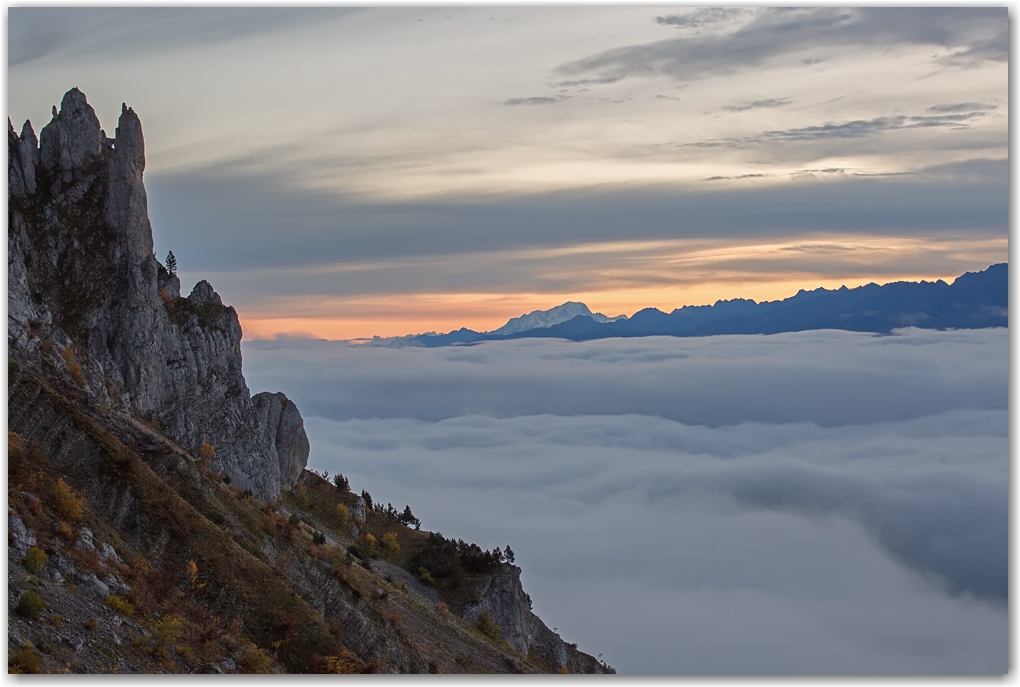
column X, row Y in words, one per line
column 812, row 502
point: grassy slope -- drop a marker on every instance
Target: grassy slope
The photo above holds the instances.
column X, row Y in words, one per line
column 262, row 592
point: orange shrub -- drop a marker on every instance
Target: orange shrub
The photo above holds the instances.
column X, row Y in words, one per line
column 68, row 502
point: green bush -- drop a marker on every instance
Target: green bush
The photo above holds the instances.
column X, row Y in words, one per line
column 30, row 604
column 36, row 559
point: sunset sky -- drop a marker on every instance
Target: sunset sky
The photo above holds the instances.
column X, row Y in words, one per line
column 346, row 173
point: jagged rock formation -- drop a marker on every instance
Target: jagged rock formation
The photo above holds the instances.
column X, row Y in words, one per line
column 85, row 289
column 130, row 551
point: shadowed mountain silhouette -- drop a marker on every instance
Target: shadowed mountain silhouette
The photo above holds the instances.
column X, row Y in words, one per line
column 975, row 300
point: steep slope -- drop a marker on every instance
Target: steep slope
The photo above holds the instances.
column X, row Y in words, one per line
column 160, row 518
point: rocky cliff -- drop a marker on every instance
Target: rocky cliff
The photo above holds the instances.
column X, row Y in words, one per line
column 133, row 547
column 85, row 290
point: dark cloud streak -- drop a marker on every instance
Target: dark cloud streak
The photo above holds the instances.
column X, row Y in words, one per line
column 759, row 105
column 774, row 34
column 536, row 100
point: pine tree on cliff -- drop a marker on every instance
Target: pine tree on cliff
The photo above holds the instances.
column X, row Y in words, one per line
column 171, row 263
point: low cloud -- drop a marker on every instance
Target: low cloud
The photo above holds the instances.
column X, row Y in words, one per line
column 782, row 378
column 736, row 504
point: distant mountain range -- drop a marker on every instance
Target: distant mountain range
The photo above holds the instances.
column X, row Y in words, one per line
column 537, row 319
column 975, row 300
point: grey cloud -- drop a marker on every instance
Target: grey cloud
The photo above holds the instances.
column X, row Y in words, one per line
column 34, row 32
column 759, row 105
column 961, row 107
column 776, row 33
column 864, row 127
column 853, row 129
column 699, row 18
column 537, row 100
column 586, row 82
column 943, row 522
column 740, row 176
column 777, row 546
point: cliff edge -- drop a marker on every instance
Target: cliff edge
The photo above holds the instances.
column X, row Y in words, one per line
column 85, row 290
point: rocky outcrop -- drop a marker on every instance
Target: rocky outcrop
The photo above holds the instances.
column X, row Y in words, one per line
column 504, row 601
column 87, row 296
column 287, row 431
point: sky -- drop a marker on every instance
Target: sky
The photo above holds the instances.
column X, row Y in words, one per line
column 811, row 502
column 345, row 173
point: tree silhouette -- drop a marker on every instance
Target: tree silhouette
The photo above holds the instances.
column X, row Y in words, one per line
column 171, row 263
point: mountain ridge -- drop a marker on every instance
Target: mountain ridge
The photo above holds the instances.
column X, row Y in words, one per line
column 974, row 300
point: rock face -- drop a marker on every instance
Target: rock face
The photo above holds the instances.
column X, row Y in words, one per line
column 287, row 431
column 87, row 294
column 503, row 598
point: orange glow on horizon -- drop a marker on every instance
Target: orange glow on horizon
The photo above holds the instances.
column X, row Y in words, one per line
column 404, row 314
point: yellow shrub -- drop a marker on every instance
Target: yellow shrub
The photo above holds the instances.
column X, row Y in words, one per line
column 120, row 604
column 251, row 658
column 25, row 660
column 340, row 665
column 489, row 628
column 166, row 632
column 73, row 366
column 206, row 453
column 193, row 575
column 343, row 514
column 68, row 502
column 389, row 542
column 13, row 442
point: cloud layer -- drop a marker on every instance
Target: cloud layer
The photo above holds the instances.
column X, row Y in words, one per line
column 828, row 378
column 815, row 502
